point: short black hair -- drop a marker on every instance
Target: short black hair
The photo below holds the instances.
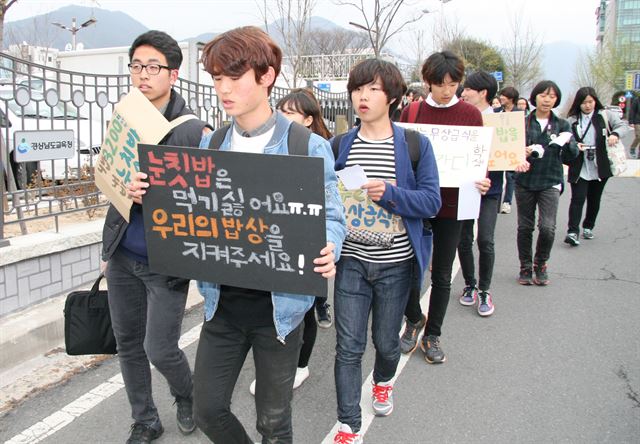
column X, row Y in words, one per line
column 511, row 93
column 480, row 80
column 439, row 64
column 162, row 42
column 542, row 87
column 370, row 70
column 582, row 94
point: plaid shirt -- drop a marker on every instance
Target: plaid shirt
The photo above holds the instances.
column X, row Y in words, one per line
column 546, row 171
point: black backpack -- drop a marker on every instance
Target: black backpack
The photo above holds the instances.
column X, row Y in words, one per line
column 297, row 141
column 413, row 140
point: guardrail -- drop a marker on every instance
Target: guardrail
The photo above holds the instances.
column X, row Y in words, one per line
column 37, row 97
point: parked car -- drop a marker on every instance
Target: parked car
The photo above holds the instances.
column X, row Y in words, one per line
column 37, row 115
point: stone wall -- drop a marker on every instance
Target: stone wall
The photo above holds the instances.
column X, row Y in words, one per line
column 36, row 267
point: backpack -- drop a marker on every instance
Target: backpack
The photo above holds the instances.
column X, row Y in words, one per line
column 297, row 140
column 413, row 140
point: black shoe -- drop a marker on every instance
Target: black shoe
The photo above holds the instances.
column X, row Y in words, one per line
column 572, row 239
column 433, row 354
column 323, row 316
column 142, row 433
column 184, row 415
column 409, row 339
column 542, row 278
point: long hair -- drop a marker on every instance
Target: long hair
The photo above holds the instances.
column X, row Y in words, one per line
column 582, row 94
column 303, row 101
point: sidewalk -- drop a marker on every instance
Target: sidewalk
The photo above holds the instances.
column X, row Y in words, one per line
column 23, row 374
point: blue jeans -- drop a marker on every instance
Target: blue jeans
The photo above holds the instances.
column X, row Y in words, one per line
column 362, row 287
column 509, row 187
column 146, row 315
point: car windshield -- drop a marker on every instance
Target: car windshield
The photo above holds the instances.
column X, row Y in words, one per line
column 38, row 109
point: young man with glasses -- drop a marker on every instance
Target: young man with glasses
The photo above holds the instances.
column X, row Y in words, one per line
column 147, row 308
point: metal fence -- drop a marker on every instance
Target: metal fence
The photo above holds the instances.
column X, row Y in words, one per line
column 36, row 97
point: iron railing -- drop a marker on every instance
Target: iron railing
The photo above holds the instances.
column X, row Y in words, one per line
column 37, row 97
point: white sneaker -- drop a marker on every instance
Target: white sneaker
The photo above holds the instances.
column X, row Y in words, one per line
column 382, row 398
column 301, row 375
column 346, row 436
column 506, row 208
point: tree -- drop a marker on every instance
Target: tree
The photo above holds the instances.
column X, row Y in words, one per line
column 522, row 54
column 477, row 55
column 381, row 24
column 604, row 68
column 291, row 22
column 4, row 6
column 335, row 41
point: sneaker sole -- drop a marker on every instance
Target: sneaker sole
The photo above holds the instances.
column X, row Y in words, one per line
column 381, row 414
column 324, row 325
column 486, row 313
column 540, row 283
column 523, row 282
column 185, row 431
column 466, row 303
column 430, row 361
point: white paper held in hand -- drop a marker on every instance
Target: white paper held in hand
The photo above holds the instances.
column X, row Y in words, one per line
column 352, row 177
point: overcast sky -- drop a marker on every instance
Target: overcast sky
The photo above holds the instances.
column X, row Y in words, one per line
column 554, row 20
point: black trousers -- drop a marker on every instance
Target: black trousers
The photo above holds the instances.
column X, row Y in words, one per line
column 446, row 236
column 591, row 191
column 222, row 350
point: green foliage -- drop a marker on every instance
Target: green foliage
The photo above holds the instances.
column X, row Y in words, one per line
column 476, row 54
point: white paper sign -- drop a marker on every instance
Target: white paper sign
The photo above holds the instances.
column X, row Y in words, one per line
column 462, row 152
column 352, row 177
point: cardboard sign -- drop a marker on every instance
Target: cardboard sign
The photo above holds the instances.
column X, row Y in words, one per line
column 134, row 120
column 361, row 213
column 43, row 145
column 462, row 152
column 508, row 146
column 248, row 220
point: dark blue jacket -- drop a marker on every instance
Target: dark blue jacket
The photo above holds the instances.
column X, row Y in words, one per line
column 414, row 197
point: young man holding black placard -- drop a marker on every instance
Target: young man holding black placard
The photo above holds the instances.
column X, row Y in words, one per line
column 147, row 308
column 375, row 276
column 244, row 64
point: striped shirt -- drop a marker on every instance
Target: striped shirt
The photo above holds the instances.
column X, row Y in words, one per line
column 377, row 159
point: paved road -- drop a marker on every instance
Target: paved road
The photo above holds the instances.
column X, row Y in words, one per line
column 553, row 364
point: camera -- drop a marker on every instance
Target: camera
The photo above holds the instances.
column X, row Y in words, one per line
column 589, row 152
column 537, row 151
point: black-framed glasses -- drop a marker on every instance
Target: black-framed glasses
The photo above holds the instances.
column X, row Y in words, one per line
column 152, row 68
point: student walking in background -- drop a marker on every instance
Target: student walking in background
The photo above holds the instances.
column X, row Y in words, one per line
column 442, row 73
column 539, row 188
column 595, row 129
column 508, row 100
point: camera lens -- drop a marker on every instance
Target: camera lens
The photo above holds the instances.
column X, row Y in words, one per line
column 591, row 153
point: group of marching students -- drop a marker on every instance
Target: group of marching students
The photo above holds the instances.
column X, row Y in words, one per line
column 377, row 277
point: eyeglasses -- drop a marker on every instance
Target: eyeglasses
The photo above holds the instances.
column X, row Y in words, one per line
column 152, row 69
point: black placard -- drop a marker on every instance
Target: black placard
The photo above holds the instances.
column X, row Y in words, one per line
column 248, row 220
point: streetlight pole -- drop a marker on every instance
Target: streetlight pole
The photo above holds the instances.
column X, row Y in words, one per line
column 74, row 29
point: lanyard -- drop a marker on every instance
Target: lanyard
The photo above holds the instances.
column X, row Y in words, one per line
column 586, row 130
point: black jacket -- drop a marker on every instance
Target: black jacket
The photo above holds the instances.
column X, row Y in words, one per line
column 187, row 134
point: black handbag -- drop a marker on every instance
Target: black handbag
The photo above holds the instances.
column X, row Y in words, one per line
column 87, row 322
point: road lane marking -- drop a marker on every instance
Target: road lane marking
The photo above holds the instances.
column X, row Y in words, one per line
column 94, row 397
column 365, row 398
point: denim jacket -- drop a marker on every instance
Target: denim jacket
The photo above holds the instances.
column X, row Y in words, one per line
column 289, row 309
column 415, row 196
